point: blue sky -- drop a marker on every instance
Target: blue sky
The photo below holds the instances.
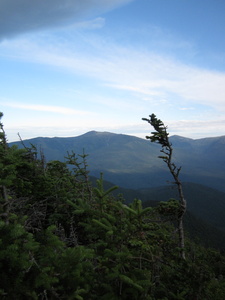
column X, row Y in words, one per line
column 67, row 68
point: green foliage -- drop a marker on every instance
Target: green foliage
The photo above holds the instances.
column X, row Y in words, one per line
column 160, row 135
column 169, row 208
column 62, row 239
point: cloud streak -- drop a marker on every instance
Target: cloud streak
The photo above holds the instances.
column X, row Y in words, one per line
column 145, row 74
column 47, row 108
column 20, row 16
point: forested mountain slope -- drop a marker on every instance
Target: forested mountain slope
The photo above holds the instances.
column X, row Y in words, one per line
column 132, row 162
column 203, row 202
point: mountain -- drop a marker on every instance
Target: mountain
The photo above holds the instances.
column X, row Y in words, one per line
column 132, row 162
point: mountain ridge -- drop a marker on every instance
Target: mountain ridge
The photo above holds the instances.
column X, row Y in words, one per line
column 132, row 162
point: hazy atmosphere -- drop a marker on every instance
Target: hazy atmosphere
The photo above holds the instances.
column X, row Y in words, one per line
column 68, row 67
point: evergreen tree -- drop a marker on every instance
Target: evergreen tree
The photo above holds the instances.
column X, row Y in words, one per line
column 161, row 136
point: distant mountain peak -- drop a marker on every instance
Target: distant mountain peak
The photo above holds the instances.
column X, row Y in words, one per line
column 94, row 132
column 115, row 154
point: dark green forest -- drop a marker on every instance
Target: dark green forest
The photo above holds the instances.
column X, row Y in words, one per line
column 63, row 237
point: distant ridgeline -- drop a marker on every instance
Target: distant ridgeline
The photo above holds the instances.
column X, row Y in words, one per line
column 132, row 162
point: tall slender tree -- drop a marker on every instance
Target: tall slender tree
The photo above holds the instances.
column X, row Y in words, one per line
column 161, row 136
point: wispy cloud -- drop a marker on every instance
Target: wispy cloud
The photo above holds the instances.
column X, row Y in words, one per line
column 144, row 73
column 46, row 108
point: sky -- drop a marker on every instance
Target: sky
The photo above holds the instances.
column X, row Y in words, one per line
column 69, row 66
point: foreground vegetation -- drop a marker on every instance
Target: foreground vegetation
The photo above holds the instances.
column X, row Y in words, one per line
column 61, row 238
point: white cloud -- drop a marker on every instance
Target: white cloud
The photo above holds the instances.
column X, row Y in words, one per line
column 150, row 76
column 46, row 108
column 20, row 16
